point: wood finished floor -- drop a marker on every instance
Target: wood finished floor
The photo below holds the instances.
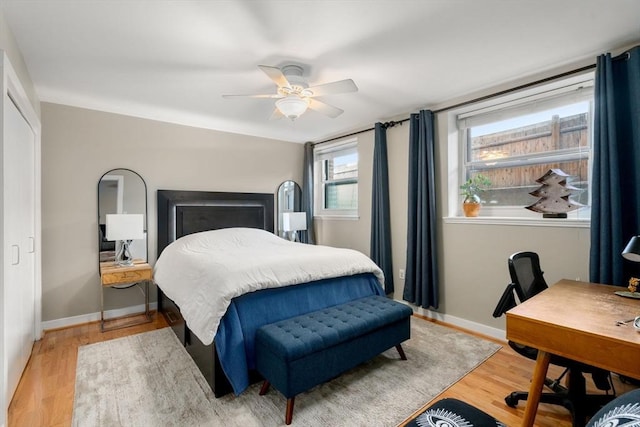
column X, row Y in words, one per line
column 44, row 396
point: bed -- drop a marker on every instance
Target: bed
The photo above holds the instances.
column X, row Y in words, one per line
column 227, row 362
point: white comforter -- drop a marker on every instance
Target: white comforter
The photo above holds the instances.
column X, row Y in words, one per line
column 202, row 272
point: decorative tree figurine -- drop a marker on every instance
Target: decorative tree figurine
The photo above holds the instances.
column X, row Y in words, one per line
column 555, row 195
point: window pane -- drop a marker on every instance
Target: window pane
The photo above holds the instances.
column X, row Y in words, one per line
column 341, row 195
column 342, row 167
column 514, row 153
column 531, row 134
column 511, row 186
column 336, row 179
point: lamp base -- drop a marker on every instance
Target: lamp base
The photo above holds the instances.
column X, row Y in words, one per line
column 627, row 294
column 123, row 257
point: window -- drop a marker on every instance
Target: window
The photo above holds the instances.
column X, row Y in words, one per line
column 515, row 141
column 336, row 181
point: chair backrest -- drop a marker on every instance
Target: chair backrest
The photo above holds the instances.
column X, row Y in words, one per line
column 526, row 274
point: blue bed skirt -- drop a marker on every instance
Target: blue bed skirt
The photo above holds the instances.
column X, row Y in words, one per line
column 236, row 333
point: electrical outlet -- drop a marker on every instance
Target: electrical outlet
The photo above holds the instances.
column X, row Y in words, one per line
column 401, row 274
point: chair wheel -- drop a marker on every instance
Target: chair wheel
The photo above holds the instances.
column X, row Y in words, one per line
column 511, row 401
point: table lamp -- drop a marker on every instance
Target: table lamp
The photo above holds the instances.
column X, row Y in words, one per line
column 292, row 222
column 632, row 253
column 632, row 250
column 125, row 228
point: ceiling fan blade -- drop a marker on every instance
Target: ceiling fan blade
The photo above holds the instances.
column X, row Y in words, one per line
column 326, row 109
column 341, row 86
column 275, row 74
column 270, row 95
column 276, row 115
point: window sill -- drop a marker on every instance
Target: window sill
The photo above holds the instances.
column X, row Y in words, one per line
column 336, row 217
column 529, row 222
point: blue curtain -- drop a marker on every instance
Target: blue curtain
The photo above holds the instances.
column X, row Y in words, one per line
column 615, row 210
column 380, row 251
column 421, row 276
column 308, row 236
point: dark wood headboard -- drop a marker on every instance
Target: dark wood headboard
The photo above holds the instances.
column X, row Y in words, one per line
column 186, row 212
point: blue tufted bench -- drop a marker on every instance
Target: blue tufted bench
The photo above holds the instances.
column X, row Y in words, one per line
column 297, row 354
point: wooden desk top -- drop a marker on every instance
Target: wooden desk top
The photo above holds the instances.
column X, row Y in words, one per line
column 578, row 320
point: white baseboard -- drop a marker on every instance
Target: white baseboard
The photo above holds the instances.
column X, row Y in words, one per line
column 93, row 317
column 496, row 333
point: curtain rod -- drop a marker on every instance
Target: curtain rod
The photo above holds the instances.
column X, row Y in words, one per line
column 481, row 98
column 517, row 88
column 386, row 125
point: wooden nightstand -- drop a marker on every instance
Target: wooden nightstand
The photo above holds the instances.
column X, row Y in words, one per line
column 112, row 275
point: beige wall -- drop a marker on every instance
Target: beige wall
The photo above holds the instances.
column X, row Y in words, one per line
column 8, row 44
column 355, row 234
column 349, row 232
column 79, row 145
column 473, row 262
column 474, row 256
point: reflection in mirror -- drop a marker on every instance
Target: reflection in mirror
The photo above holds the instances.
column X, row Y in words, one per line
column 289, row 200
column 121, row 191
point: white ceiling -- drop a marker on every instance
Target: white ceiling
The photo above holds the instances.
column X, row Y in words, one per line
column 173, row 60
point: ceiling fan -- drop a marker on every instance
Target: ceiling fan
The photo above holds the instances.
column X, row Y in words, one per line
column 294, row 95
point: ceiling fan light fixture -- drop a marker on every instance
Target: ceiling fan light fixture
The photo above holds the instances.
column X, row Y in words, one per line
column 294, row 95
column 292, row 106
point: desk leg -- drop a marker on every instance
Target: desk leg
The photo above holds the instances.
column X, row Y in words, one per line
column 535, row 390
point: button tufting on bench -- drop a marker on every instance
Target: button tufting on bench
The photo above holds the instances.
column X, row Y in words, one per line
column 330, row 326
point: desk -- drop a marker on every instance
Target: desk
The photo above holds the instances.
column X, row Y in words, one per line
column 576, row 320
column 113, row 275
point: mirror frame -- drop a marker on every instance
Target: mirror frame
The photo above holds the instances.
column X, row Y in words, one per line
column 120, row 203
column 282, row 205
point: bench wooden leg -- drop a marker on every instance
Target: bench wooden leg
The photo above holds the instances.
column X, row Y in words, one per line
column 289, row 414
column 401, row 352
column 265, row 388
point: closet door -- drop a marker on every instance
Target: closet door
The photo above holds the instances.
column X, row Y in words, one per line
column 19, row 250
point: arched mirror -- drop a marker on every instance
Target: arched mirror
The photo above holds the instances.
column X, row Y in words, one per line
column 289, row 200
column 122, row 216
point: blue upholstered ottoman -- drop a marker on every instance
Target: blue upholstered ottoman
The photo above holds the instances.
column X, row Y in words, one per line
column 297, row 354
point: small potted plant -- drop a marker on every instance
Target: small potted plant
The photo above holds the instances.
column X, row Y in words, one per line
column 471, row 190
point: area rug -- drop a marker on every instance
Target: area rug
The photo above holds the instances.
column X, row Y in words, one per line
column 149, row 380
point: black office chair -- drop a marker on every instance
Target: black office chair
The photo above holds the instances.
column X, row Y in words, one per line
column 526, row 281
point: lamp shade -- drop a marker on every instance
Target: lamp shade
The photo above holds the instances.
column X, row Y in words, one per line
column 124, row 226
column 632, row 251
column 292, row 106
column 293, row 221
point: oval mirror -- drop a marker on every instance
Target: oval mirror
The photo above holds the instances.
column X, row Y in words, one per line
column 289, row 199
column 122, row 192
